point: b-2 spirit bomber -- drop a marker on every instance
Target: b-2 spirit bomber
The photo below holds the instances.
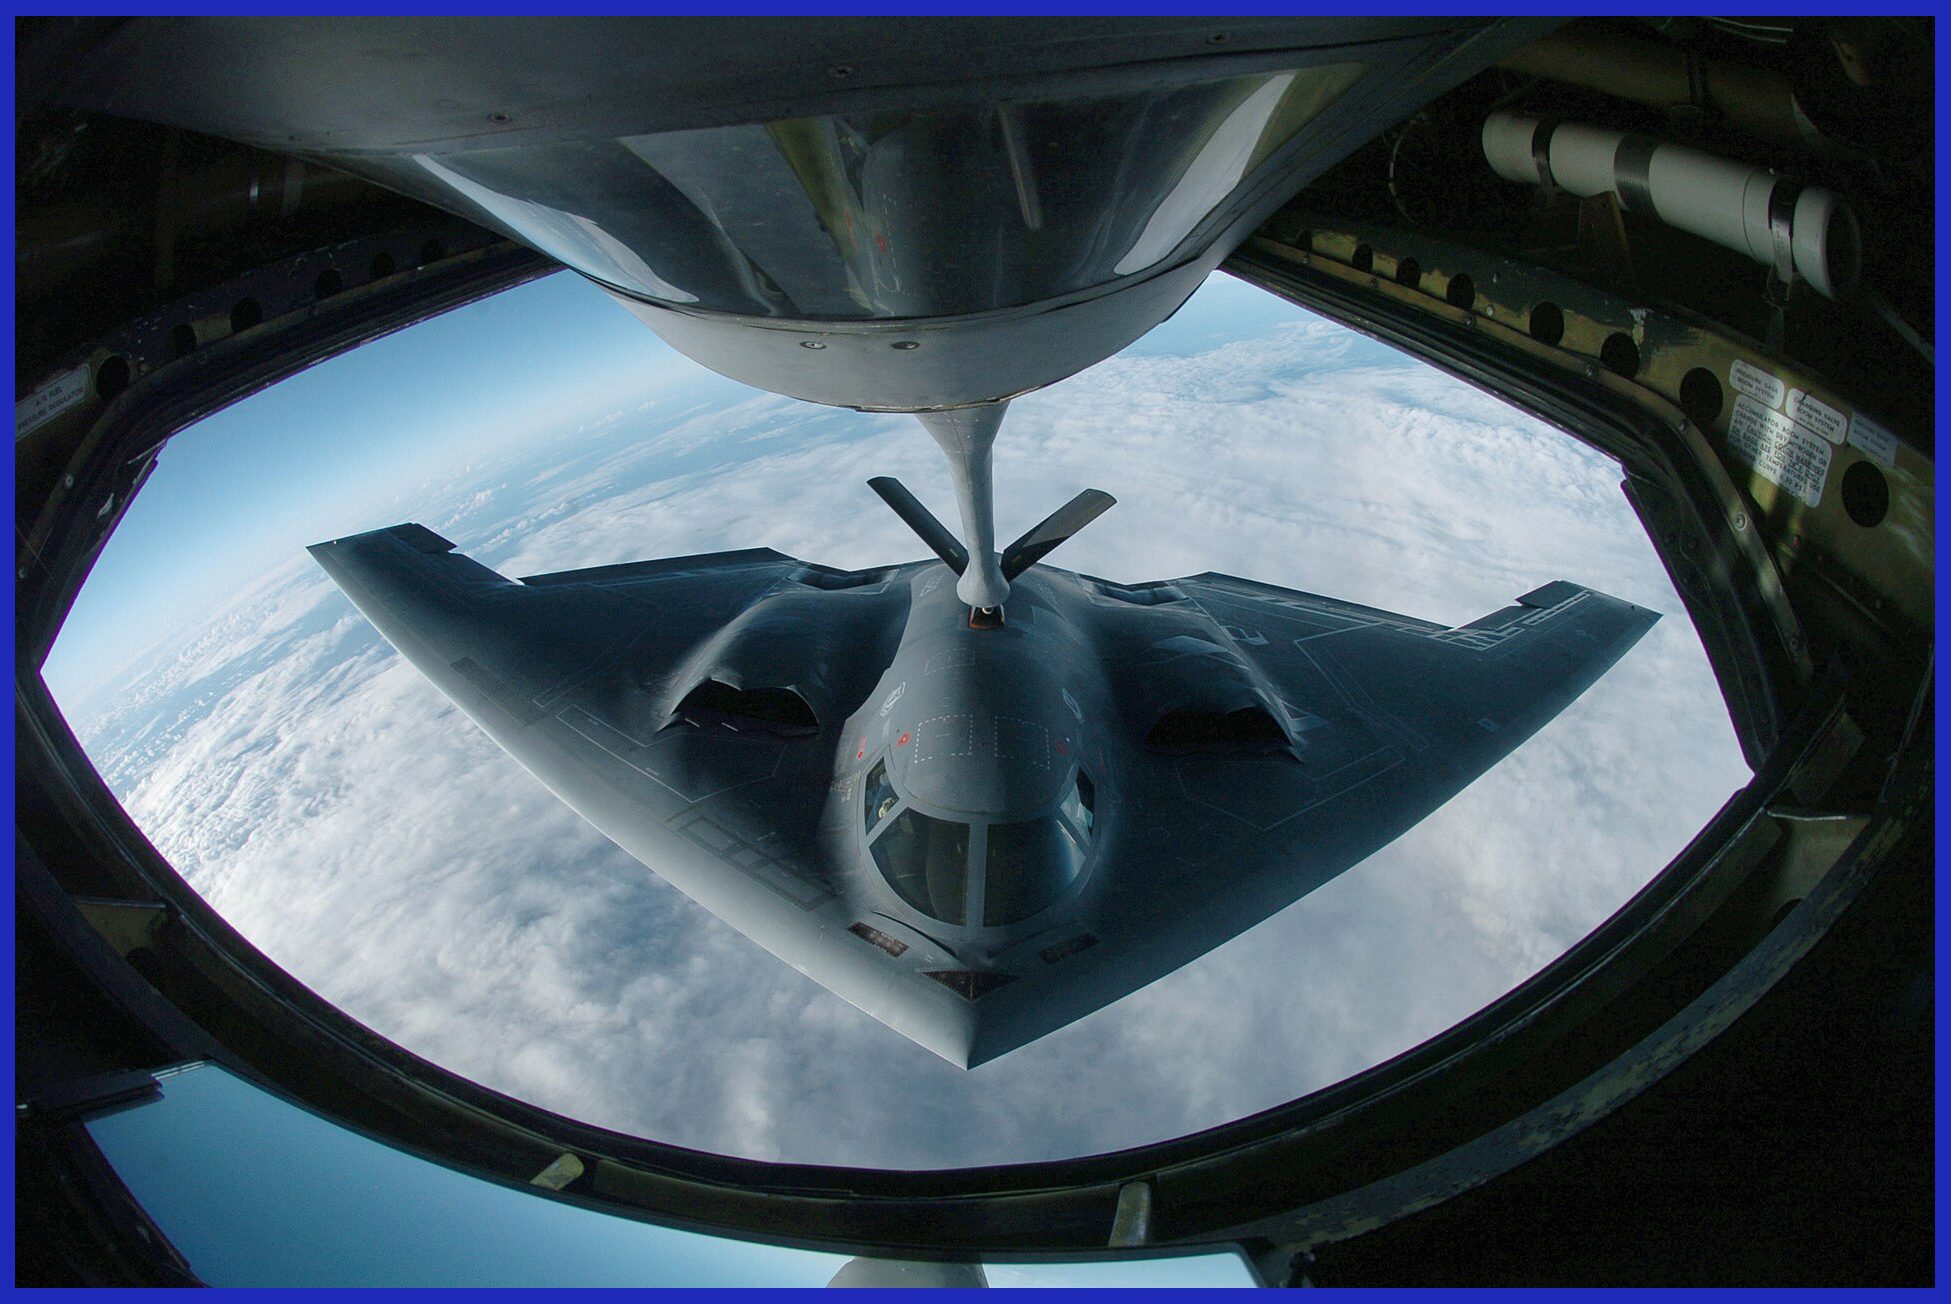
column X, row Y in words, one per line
column 978, row 800
column 978, row 810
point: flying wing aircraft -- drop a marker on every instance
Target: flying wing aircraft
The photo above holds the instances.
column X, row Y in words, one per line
column 978, row 822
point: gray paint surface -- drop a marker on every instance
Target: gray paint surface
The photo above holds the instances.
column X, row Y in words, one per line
column 583, row 678
column 997, row 207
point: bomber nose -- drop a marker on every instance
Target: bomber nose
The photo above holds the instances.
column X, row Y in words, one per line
column 952, row 1029
column 993, row 763
column 967, row 1031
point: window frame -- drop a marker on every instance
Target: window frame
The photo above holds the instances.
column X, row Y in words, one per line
column 977, row 855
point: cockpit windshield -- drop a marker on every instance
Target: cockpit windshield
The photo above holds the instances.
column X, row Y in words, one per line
column 926, row 861
column 881, row 798
column 1027, row 864
column 1030, row 863
column 1080, row 806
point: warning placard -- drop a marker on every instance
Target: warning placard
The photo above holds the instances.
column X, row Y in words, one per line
column 1873, row 439
column 1810, row 411
column 1780, row 449
column 50, row 401
column 1762, row 386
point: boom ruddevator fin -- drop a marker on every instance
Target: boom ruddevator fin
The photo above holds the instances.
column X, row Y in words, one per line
column 1043, row 537
column 921, row 521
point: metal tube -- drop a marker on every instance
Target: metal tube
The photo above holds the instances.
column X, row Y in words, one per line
column 1753, row 101
column 1803, row 232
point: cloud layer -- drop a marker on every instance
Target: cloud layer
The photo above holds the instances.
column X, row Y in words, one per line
column 369, row 839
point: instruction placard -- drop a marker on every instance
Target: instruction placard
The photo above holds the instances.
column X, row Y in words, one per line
column 1780, row 449
column 1873, row 439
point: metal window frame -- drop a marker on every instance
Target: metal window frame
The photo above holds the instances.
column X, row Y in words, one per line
column 1441, row 1118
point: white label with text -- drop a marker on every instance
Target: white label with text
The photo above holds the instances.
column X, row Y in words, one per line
column 1782, row 451
column 1873, row 439
column 1817, row 415
column 1756, row 383
column 50, row 401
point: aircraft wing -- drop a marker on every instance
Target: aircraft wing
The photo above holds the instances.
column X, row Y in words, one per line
column 585, row 678
column 1381, row 719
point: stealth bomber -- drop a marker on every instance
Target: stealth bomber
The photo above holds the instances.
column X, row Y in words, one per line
column 978, row 797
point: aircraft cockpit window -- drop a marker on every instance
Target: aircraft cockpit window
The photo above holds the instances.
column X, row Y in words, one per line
column 880, row 796
column 1030, row 864
column 926, row 861
column 1080, row 805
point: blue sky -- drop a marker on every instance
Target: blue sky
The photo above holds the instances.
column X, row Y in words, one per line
column 289, row 1199
column 252, row 485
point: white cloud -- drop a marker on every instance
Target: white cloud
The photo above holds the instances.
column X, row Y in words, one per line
column 352, row 823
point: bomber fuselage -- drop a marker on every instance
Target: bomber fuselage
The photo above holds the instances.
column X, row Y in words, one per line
column 966, row 769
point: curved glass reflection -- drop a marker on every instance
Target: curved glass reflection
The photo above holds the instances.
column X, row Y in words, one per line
column 888, row 214
column 253, row 1190
column 1029, row 865
column 926, row 861
column 880, row 797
